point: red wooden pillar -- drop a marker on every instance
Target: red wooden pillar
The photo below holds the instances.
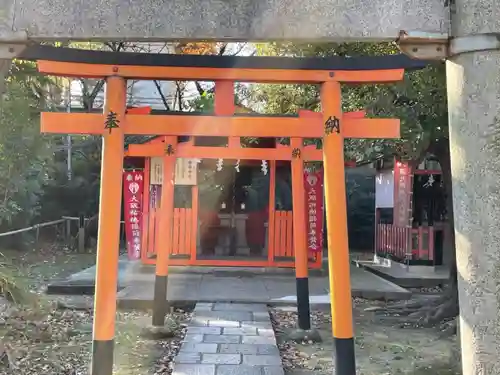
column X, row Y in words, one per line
column 145, row 211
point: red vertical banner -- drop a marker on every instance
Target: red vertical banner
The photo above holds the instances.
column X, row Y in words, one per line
column 402, row 194
column 313, row 184
column 133, row 186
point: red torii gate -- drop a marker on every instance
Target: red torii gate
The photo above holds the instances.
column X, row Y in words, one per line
column 114, row 123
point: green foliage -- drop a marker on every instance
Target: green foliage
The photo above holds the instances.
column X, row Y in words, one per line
column 203, row 103
column 24, row 155
column 419, row 101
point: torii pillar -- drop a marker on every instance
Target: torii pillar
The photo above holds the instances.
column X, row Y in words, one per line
column 473, row 84
column 108, row 241
column 337, row 236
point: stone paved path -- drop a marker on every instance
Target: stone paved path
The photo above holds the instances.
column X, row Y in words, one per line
column 229, row 339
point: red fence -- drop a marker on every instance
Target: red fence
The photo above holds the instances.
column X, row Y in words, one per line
column 394, row 241
column 283, row 226
column 184, row 242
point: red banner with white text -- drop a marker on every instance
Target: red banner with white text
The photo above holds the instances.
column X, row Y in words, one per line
column 313, row 184
column 133, row 189
column 403, row 182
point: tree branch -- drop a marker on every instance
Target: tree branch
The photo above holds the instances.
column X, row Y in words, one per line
column 162, row 96
column 199, row 88
column 222, row 49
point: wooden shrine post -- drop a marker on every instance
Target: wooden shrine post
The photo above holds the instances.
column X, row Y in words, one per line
column 160, row 302
column 337, row 235
column 300, row 236
column 108, row 240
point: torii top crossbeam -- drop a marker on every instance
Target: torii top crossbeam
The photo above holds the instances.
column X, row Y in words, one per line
column 99, row 64
column 147, row 66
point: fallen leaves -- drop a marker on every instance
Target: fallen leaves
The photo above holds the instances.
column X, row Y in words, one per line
column 54, row 336
column 59, row 342
column 292, row 355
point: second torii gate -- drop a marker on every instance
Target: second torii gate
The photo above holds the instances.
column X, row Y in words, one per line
column 114, row 123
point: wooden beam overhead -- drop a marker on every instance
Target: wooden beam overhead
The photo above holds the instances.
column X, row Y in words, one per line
column 331, row 63
column 82, row 70
column 217, row 126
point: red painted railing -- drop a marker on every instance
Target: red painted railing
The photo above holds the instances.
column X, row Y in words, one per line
column 395, row 241
column 283, row 226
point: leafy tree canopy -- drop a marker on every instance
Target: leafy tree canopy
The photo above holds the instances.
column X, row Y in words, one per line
column 419, row 100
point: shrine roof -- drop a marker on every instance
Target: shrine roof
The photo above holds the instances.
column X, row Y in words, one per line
column 355, row 63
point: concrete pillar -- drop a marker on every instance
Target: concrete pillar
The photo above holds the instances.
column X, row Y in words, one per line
column 473, row 83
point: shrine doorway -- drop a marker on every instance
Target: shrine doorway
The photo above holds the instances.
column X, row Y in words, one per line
column 237, row 212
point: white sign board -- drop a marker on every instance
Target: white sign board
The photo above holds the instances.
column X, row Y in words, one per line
column 185, row 171
column 384, row 189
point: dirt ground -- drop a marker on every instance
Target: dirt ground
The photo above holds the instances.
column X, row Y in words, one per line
column 381, row 349
column 35, row 268
column 44, row 336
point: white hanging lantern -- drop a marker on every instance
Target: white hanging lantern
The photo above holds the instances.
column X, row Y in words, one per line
column 237, row 166
column 264, row 167
column 220, row 163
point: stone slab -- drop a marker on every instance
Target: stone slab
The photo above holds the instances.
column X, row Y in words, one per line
column 273, row 370
column 134, row 20
column 256, row 290
column 193, row 338
column 261, row 360
column 225, row 315
column 187, row 357
column 187, row 289
column 266, row 349
column 265, row 332
column 247, row 331
column 413, row 277
column 238, row 349
column 182, row 369
column 260, row 340
column 259, row 316
column 221, row 359
column 194, row 347
column 240, row 307
column 238, row 370
column 224, row 323
column 222, row 339
column 258, row 325
column 204, row 330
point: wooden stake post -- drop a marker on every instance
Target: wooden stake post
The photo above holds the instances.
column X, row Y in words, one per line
column 160, row 304
column 337, row 236
column 114, row 123
column 108, row 240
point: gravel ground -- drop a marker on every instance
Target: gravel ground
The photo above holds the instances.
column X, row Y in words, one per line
column 380, row 349
column 58, row 342
column 52, row 335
